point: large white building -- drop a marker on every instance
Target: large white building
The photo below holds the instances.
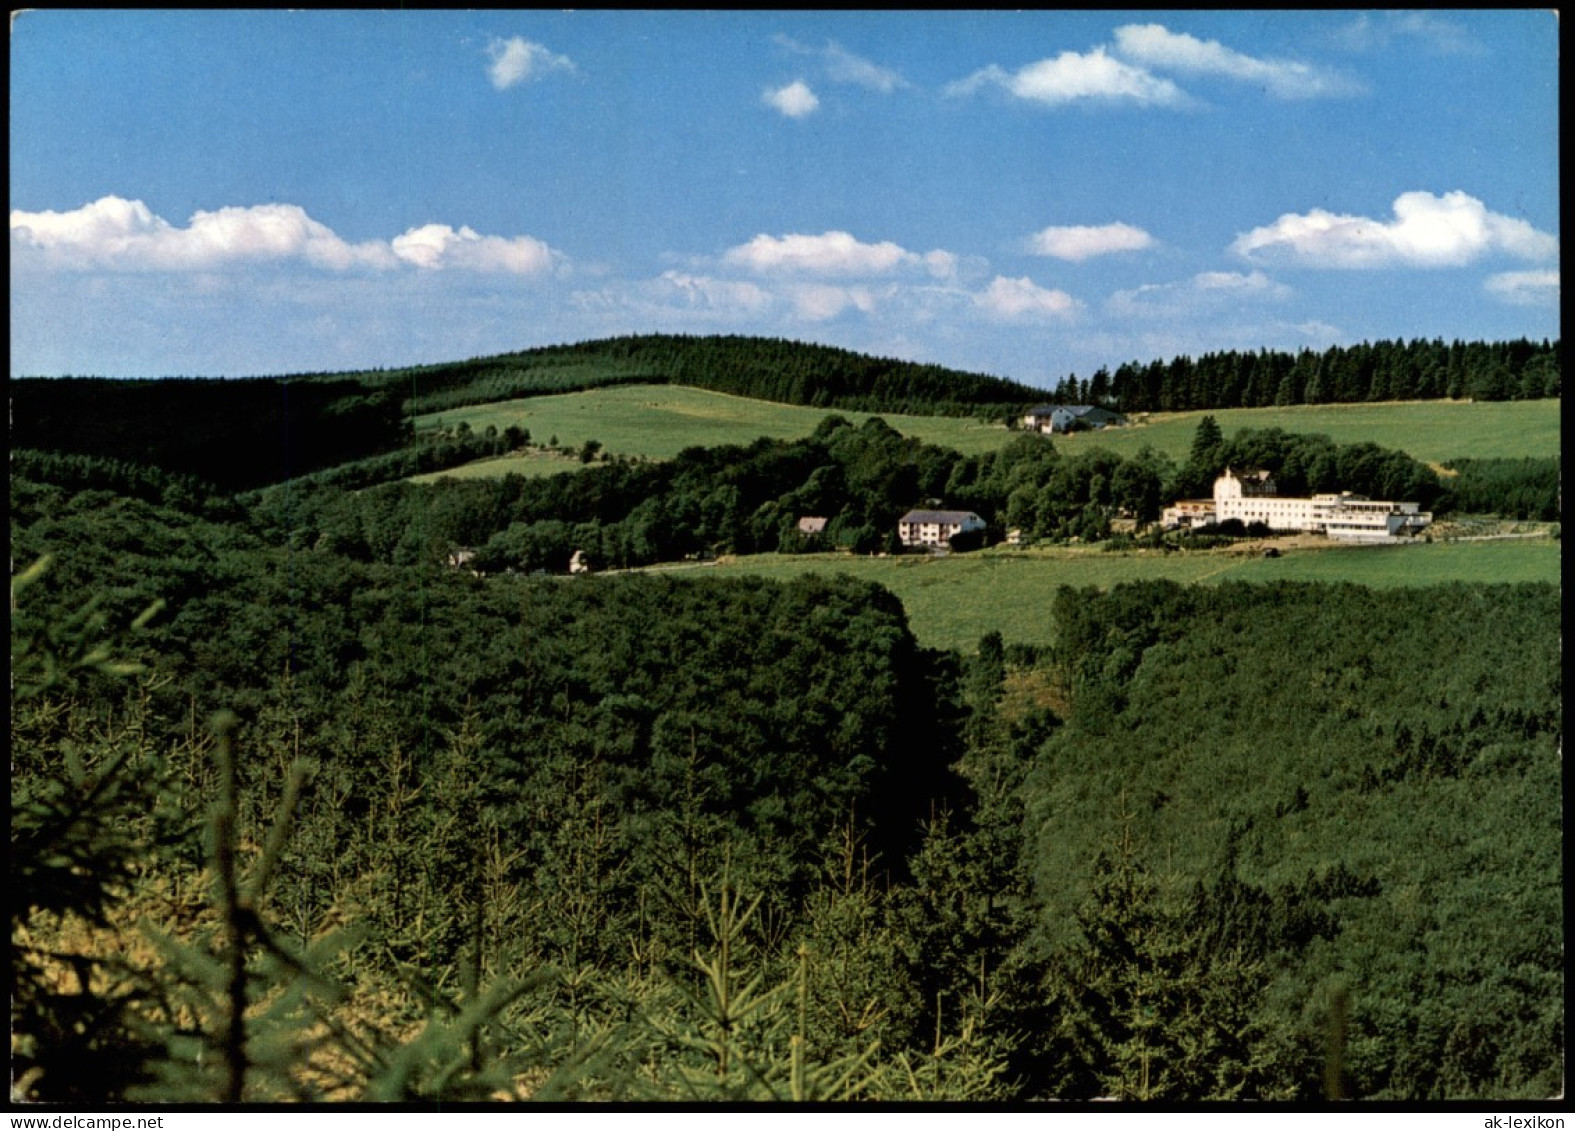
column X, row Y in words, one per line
column 1252, row 497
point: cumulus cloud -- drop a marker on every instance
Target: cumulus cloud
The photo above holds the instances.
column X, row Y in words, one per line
column 125, row 235
column 519, row 60
column 1071, row 76
column 1022, row 298
column 833, row 253
column 1525, row 288
column 1128, row 77
column 1156, row 46
column 794, row 100
column 435, row 246
column 116, row 233
column 842, row 65
column 1427, row 231
column 1078, row 243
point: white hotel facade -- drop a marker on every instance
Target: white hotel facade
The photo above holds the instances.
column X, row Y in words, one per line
column 1252, row 498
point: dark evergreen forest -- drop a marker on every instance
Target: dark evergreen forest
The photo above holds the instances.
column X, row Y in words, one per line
column 1377, row 371
column 302, row 812
column 236, row 434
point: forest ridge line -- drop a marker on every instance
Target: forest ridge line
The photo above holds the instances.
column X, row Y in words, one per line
column 801, row 373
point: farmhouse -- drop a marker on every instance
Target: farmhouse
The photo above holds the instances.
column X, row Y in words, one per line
column 1065, row 417
column 935, row 528
column 812, row 525
column 1252, row 497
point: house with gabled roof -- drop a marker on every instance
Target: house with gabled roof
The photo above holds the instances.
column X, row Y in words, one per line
column 935, row 528
column 1066, row 417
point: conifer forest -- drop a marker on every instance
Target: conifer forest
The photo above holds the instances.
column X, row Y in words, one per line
column 332, row 786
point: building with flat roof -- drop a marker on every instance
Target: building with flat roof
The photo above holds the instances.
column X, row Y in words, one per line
column 1251, row 497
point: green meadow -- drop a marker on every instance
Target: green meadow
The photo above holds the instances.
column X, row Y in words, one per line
column 1431, row 431
column 659, row 421
column 531, row 463
column 954, row 600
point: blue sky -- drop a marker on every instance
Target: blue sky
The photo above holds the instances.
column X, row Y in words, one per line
column 1025, row 194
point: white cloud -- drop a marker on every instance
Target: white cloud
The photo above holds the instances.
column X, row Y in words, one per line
column 1071, row 76
column 1156, row 46
column 842, row 65
column 1525, row 288
column 833, row 253
column 817, row 302
column 941, row 264
column 1208, row 291
column 125, row 234
column 1316, row 330
column 1374, row 31
column 1427, row 231
column 1237, row 283
column 1078, row 243
column 1018, row 298
column 519, row 60
column 701, row 292
column 795, row 100
column 435, row 246
column 117, row 234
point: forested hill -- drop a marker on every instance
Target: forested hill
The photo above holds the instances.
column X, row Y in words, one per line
column 232, row 433
column 246, row 432
column 769, row 369
column 1419, row 370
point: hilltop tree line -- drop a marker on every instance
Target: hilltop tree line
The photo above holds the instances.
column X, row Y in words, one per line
column 232, row 433
column 771, row 369
column 256, row 431
column 656, row 838
column 1377, row 371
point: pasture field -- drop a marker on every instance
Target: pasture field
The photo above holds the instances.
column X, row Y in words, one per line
column 530, row 464
column 659, row 421
column 1431, row 431
column 954, row 600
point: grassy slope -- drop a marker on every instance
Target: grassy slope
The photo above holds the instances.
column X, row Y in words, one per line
column 953, row 601
column 660, row 421
column 1431, row 431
